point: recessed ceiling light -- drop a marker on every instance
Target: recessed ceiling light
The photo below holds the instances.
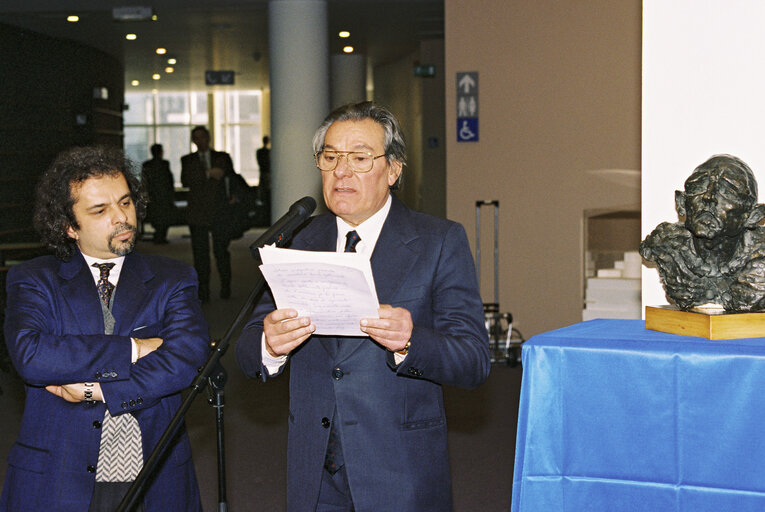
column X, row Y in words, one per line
column 161, row 51
column 73, row 19
column 131, row 37
column 154, row 17
column 171, row 60
column 348, row 49
column 169, row 69
column 344, row 34
column 155, row 76
column 135, row 83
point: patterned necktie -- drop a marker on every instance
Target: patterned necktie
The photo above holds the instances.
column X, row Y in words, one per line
column 120, row 452
column 105, row 288
column 351, row 240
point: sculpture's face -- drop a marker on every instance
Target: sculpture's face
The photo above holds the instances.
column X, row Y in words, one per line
column 717, row 203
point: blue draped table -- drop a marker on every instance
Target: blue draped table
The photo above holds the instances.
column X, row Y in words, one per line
column 614, row 417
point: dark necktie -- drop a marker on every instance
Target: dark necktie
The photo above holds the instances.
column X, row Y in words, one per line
column 105, row 288
column 351, row 239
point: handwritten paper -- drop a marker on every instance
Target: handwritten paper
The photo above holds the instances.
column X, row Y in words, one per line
column 336, row 290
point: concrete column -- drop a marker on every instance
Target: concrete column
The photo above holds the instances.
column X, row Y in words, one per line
column 299, row 76
column 349, row 78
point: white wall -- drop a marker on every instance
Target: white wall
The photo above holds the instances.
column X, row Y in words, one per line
column 703, row 94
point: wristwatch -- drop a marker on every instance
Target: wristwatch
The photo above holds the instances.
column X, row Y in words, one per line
column 88, row 392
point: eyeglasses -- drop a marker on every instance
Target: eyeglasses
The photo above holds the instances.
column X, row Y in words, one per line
column 358, row 161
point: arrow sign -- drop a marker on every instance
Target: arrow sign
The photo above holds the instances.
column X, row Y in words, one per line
column 466, row 82
column 225, row 77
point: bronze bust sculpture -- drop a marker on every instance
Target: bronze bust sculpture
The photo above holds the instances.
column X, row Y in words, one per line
column 717, row 255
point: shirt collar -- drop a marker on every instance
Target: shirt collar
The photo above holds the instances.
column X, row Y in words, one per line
column 369, row 230
column 114, row 273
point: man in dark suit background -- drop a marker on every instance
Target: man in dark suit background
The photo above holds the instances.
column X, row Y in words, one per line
column 367, row 428
column 212, row 183
column 104, row 339
column 263, row 157
column 160, row 187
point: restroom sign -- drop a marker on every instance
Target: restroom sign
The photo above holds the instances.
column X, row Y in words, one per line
column 467, row 106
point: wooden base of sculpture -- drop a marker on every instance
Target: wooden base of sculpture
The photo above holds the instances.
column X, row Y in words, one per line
column 710, row 325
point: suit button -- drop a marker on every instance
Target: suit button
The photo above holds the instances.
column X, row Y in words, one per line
column 139, row 401
column 114, row 375
column 325, row 422
column 258, row 375
column 415, row 372
column 132, row 403
column 98, row 375
column 96, row 424
column 91, row 469
column 124, row 405
column 337, row 374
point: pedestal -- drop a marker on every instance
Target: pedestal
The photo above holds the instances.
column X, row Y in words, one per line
column 710, row 325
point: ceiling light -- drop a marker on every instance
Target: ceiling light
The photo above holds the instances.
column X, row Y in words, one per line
column 135, row 83
column 161, row 51
column 131, row 37
column 154, row 17
column 73, row 19
column 155, row 76
column 169, row 69
column 172, row 60
column 344, row 34
column 348, row 49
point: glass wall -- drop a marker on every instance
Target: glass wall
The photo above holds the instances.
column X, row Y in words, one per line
column 167, row 118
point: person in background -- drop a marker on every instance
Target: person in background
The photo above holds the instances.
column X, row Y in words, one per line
column 105, row 339
column 367, row 427
column 205, row 174
column 263, row 156
column 160, row 211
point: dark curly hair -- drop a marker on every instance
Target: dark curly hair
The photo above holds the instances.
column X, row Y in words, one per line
column 53, row 208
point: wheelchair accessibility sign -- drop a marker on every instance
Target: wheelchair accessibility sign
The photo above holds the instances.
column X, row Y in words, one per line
column 467, row 107
column 467, row 129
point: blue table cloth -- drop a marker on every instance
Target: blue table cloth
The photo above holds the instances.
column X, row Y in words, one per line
column 614, row 417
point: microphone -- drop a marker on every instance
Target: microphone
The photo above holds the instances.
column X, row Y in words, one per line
column 281, row 231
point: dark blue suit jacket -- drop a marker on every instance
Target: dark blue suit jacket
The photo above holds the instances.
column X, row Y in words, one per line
column 391, row 417
column 54, row 329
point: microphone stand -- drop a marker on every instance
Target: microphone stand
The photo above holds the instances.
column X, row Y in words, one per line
column 216, row 383
column 213, row 373
column 208, row 371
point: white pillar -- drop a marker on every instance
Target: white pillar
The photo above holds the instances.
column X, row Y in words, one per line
column 299, row 82
column 349, row 79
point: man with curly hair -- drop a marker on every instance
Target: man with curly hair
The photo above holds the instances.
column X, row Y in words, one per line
column 104, row 339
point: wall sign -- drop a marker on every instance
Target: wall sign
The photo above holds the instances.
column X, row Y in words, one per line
column 467, row 106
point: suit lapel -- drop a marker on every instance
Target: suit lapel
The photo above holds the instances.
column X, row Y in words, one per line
column 131, row 292
column 393, row 257
column 79, row 292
